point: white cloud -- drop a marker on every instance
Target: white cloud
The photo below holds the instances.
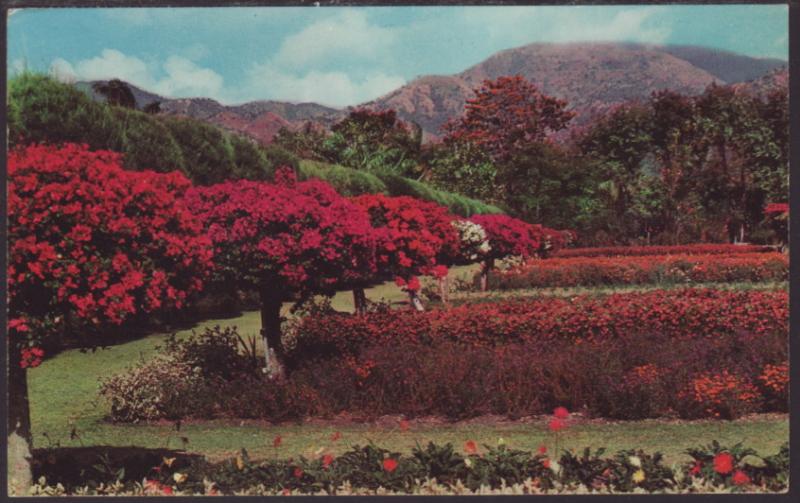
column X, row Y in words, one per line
column 522, row 25
column 336, row 89
column 346, row 34
column 181, row 76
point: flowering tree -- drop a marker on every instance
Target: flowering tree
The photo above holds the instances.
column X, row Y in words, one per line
column 90, row 245
column 413, row 237
column 507, row 237
column 777, row 215
column 285, row 241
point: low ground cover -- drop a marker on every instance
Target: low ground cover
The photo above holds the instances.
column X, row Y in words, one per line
column 634, row 251
column 646, row 269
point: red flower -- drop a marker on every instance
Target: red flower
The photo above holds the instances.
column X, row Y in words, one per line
column 276, row 442
column 561, row 413
column 542, row 449
column 166, row 490
column 740, row 478
column 557, row 424
column 389, row 465
column 723, row 463
column 327, row 460
column 440, row 271
column 298, row 472
column 413, row 284
column 470, row 447
column 400, row 282
column 696, row 468
column 336, row 436
column 403, row 425
column 546, row 463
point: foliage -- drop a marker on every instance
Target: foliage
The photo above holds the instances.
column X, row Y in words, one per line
column 509, row 236
column 439, row 469
column 682, row 314
column 146, row 143
column 93, row 244
column 207, row 151
column 347, row 181
column 657, row 269
column 639, row 251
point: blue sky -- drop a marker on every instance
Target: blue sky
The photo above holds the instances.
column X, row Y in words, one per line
column 344, row 55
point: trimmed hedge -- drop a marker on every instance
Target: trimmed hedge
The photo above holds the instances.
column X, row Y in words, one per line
column 634, row 251
column 648, row 269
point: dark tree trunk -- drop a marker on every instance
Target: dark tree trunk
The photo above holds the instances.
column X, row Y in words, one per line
column 360, row 300
column 20, row 476
column 487, row 266
column 271, row 301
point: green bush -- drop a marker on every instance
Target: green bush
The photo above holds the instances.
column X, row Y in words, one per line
column 346, row 181
column 41, row 109
column 250, row 161
column 206, row 149
column 460, row 205
column 146, row 143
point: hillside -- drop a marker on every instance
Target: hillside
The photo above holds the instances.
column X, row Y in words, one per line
column 592, row 77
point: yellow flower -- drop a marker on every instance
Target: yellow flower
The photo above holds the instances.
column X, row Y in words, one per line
column 638, row 476
column 180, row 477
column 501, row 441
column 169, row 461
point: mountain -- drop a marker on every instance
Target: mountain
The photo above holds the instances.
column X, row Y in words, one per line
column 592, row 77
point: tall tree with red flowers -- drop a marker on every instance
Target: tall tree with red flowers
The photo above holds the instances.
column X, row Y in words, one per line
column 412, row 236
column 508, row 237
column 286, row 241
column 90, row 245
column 507, row 115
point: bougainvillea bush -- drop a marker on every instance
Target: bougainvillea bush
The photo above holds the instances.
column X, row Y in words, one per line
column 435, row 469
column 93, row 244
column 635, row 251
column 284, row 240
column 598, row 271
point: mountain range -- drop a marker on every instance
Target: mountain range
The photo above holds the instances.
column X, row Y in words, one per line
column 592, row 77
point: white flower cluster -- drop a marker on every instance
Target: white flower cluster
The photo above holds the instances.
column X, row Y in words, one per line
column 474, row 243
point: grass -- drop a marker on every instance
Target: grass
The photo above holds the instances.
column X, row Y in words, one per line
column 65, row 407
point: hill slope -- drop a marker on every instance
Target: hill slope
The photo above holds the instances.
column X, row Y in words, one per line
column 592, row 77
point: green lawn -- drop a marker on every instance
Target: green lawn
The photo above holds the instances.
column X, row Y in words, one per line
column 63, row 396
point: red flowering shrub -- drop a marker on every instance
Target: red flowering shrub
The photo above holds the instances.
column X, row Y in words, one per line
column 413, row 236
column 723, row 394
column 91, row 243
column 682, row 314
column 590, row 271
column 509, row 236
column 284, row 240
column 777, row 209
column 774, row 383
column 634, row 251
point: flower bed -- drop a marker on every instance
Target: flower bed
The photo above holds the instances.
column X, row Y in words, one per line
column 592, row 271
column 684, row 313
column 633, row 251
column 444, row 469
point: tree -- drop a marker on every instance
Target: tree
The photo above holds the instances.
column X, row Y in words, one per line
column 90, row 246
column 411, row 237
column 374, row 141
column 508, row 237
column 285, row 241
column 116, row 92
column 506, row 115
column 207, row 151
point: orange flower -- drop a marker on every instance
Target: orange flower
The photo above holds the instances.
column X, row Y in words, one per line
column 470, row 447
column 723, row 463
column 557, row 424
column 389, row 465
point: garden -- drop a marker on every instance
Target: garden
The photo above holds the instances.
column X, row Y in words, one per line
column 180, row 332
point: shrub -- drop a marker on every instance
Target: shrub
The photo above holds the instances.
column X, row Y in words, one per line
column 681, row 314
column 43, row 110
column 146, row 144
column 346, row 181
column 598, row 271
column 636, row 251
column 207, row 151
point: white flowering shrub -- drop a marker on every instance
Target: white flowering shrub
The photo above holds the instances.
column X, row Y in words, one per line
column 474, row 242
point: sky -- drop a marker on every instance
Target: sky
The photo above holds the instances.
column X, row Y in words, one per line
column 343, row 56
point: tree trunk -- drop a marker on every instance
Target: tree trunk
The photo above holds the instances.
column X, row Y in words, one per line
column 360, row 300
column 485, row 268
column 20, row 476
column 271, row 302
column 444, row 289
column 415, row 302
